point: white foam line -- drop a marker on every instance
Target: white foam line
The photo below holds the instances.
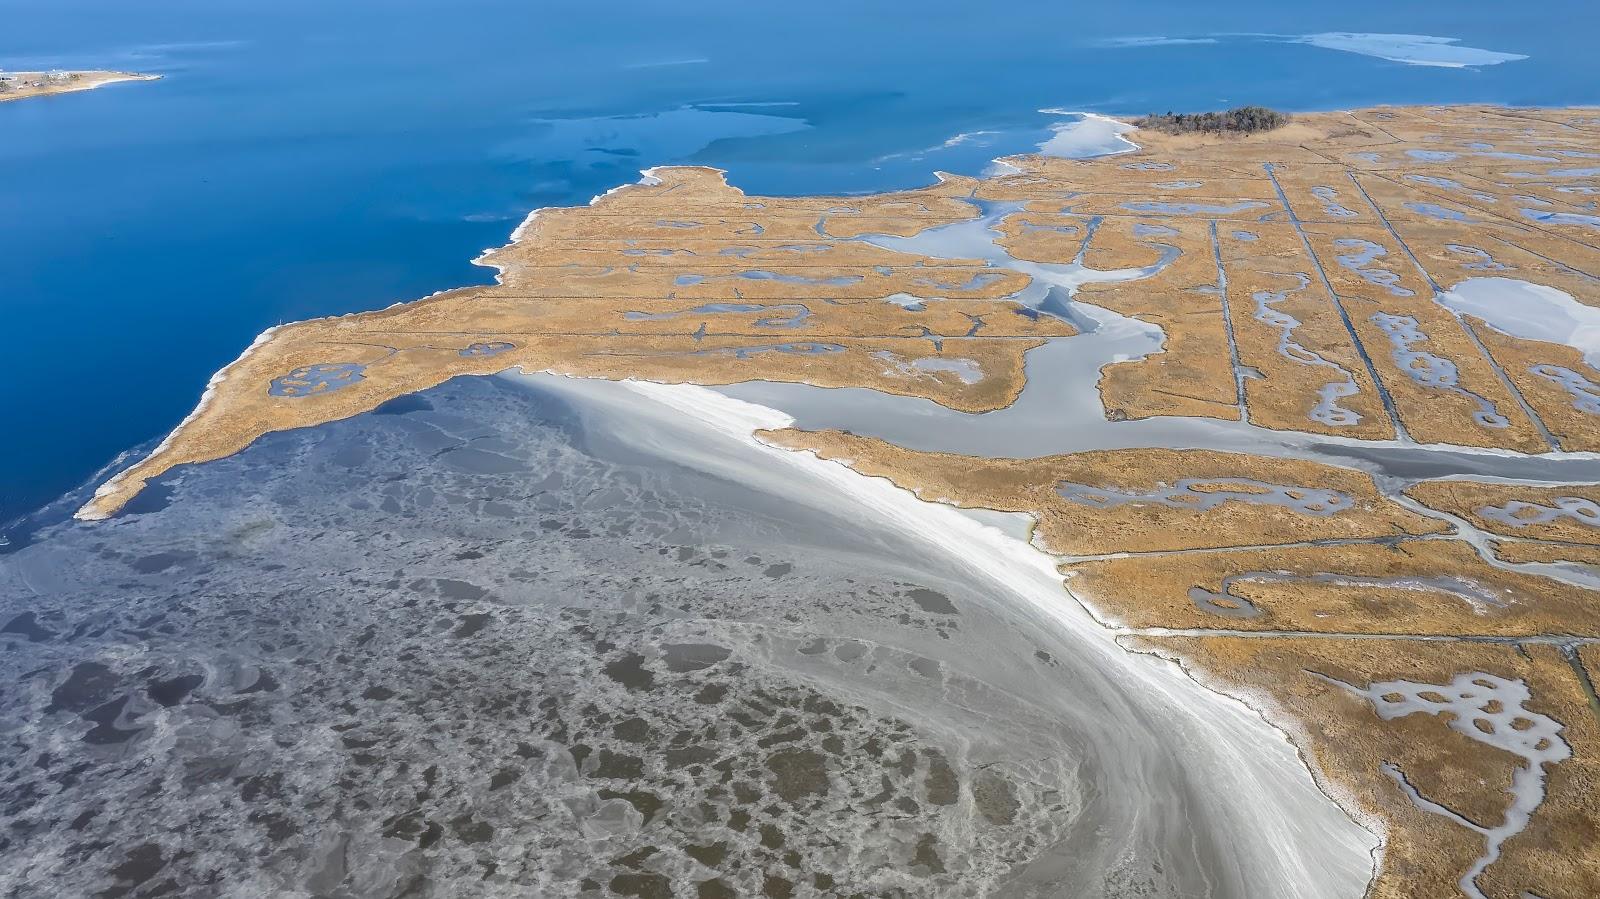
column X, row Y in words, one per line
column 1253, row 753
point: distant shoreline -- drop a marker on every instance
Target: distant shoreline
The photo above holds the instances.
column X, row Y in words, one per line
column 27, row 85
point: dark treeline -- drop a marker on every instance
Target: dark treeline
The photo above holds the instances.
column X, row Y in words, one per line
column 1243, row 120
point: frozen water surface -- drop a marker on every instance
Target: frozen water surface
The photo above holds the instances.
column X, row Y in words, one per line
column 1330, row 203
column 1429, row 370
column 1435, row 211
column 1585, row 393
column 1435, row 181
column 638, row 634
column 1087, row 135
column 322, row 377
column 1327, row 410
column 1519, row 514
column 967, row 371
column 1412, row 49
column 1229, row 604
column 1530, row 312
column 1481, row 260
column 1487, row 709
column 1561, row 218
column 487, row 348
column 1359, row 256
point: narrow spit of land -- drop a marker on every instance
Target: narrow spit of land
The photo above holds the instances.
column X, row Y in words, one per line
column 24, row 85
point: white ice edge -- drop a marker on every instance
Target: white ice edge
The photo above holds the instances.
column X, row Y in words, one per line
column 1269, row 709
column 1111, row 132
column 85, row 513
column 1239, row 729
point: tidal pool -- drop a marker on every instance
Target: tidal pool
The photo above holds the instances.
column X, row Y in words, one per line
column 1209, row 493
column 1229, row 604
column 1195, row 208
column 1330, row 203
column 967, row 371
column 1524, row 157
column 1429, row 370
column 1481, row 260
column 1519, row 514
column 1487, row 709
column 1432, row 155
column 803, row 348
column 1561, row 218
column 322, row 377
column 1359, row 256
column 1529, row 311
column 1585, row 393
column 784, row 315
column 977, row 281
column 1327, row 410
column 488, row 348
column 1435, row 181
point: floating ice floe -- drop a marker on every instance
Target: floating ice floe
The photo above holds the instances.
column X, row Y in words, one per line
column 1088, row 135
column 1155, row 40
column 1411, row 49
column 1529, row 312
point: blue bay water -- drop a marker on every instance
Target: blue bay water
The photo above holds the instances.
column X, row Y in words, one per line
column 303, row 159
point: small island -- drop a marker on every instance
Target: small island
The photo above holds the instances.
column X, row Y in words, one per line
column 22, row 85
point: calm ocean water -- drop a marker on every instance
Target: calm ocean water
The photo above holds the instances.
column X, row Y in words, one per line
column 305, row 159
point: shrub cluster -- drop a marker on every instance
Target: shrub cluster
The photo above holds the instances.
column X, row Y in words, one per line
column 1243, row 120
